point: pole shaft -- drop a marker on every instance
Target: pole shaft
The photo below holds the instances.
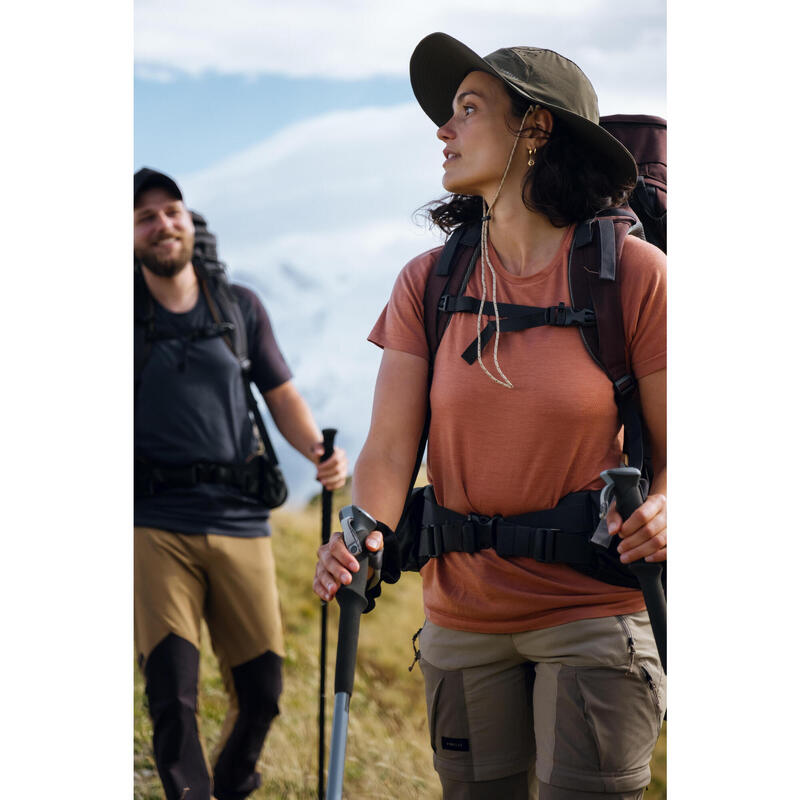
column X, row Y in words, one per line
column 328, row 435
column 341, row 713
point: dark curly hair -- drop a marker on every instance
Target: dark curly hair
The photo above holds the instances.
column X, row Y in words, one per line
column 565, row 184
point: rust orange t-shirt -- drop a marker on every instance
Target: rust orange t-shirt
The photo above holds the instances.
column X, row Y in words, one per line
column 493, row 450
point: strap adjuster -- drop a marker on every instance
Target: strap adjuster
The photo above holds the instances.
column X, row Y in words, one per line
column 444, row 302
column 561, row 316
column 625, row 385
column 544, row 544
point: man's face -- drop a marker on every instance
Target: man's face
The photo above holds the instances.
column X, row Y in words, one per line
column 163, row 233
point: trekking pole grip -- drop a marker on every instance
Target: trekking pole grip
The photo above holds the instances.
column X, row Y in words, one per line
column 626, row 489
column 357, row 524
column 648, row 573
column 328, row 435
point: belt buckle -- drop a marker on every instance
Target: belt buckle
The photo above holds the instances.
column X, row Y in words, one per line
column 480, row 523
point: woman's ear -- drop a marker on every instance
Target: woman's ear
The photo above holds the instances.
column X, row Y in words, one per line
column 540, row 121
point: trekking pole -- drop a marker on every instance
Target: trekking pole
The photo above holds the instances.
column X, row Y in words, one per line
column 352, row 599
column 328, row 436
column 625, row 483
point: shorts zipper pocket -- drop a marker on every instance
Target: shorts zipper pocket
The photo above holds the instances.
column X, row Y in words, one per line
column 629, row 637
column 434, row 709
column 652, row 686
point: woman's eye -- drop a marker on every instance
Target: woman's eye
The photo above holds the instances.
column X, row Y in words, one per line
column 468, row 110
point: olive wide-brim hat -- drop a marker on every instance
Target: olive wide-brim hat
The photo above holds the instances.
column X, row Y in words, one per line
column 439, row 63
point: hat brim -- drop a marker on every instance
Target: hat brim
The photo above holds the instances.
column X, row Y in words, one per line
column 438, row 65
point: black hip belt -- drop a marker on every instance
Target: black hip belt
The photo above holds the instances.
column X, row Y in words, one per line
column 559, row 535
column 255, row 478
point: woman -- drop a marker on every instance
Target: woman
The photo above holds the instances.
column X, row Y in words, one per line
column 533, row 421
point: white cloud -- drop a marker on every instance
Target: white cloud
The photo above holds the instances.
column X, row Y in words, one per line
column 361, row 38
column 322, row 174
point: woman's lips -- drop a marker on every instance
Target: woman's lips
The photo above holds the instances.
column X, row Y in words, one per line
column 448, row 157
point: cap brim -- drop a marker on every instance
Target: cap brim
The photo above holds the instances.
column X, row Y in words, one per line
column 438, row 65
column 148, row 178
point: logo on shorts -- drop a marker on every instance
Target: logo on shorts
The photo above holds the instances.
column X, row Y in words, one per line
column 455, row 744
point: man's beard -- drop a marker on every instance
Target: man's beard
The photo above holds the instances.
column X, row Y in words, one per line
column 167, row 267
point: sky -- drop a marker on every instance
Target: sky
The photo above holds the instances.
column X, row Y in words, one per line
column 208, row 86
column 299, row 138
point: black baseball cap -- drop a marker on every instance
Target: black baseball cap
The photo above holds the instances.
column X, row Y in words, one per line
column 146, row 178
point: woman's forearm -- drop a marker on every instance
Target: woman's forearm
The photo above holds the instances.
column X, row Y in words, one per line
column 380, row 483
column 383, row 470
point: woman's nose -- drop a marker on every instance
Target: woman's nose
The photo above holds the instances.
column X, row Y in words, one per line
column 445, row 132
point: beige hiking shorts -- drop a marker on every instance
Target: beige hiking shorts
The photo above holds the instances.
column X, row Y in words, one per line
column 179, row 579
column 585, row 700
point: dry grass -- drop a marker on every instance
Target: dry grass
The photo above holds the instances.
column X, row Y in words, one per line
column 388, row 750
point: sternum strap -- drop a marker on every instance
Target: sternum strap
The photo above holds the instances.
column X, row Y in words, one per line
column 513, row 318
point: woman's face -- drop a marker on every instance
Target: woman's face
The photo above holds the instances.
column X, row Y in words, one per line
column 477, row 137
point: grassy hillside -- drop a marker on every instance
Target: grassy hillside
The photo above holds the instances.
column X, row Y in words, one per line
column 388, row 749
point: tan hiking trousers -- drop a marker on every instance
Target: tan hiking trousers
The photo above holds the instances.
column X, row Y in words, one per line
column 585, row 700
column 179, row 579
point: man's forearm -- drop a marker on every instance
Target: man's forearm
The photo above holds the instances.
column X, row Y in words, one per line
column 294, row 419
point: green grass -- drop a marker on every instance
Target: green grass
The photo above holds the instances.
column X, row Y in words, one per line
column 388, row 749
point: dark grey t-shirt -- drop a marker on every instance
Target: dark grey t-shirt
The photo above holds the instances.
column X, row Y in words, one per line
column 191, row 406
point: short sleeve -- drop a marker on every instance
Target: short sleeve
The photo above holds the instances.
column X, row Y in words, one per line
column 644, row 305
column 268, row 366
column 401, row 325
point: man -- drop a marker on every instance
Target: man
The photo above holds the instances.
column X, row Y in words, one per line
column 201, row 538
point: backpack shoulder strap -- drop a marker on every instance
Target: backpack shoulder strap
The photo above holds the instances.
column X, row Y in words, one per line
column 143, row 322
column 225, row 308
column 595, row 277
column 594, row 281
column 211, row 273
column 449, row 276
column 451, row 271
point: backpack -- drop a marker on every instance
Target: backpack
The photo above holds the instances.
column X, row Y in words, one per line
column 646, row 138
column 426, row 529
column 260, row 477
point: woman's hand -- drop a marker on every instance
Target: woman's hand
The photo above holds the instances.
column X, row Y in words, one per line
column 332, row 472
column 335, row 564
column 644, row 533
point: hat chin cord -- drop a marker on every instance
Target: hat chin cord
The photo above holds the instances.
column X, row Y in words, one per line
column 486, row 260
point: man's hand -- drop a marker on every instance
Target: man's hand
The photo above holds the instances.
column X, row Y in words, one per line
column 332, row 472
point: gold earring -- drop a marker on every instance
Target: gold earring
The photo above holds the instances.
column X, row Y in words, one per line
column 531, row 154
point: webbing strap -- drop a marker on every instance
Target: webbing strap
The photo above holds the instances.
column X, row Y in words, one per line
column 156, row 334
column 608, row 250
column 558, row 535
column 548, row 545
column 152, row 478
column 558, row 316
